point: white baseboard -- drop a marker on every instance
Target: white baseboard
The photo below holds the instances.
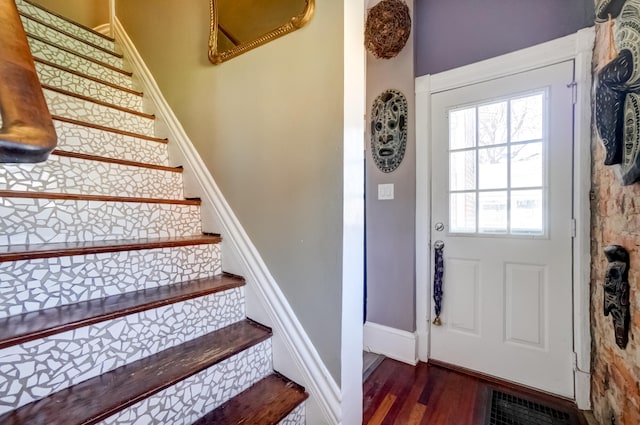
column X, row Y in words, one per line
column 325, row 395
column 583, row 390
column 390, row 342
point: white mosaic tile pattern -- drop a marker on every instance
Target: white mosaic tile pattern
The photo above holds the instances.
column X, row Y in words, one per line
column 28, row 221
column 296, row 417
column 76, row 84
column 65, row 25
column 192, row 398
column 73, row 175
column 31, row 371
column 90, row 141
column 52, row 54
column 56, row 37
column 35, row 369
column 82, row 110
column 31, row 285
column 87, row 140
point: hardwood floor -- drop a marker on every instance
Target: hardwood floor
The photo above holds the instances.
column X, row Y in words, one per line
column 400, row 394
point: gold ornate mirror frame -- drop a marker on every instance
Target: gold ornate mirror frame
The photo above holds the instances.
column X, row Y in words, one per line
column 216, row 56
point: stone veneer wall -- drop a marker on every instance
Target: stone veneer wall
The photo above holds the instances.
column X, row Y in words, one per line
column 615, row 219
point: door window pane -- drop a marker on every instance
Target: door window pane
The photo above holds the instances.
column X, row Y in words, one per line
column 463, row 212
column 492, row 164
column 526, row 118
column 462, row 128
column 526, row 165
column 492, row 124
column 462, row 174
column 526, row 212
column 492, row 212
column 497, row 182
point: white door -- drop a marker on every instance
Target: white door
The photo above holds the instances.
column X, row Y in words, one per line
column 502, row 197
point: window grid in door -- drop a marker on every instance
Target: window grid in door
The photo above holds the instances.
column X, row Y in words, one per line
column 497, row 166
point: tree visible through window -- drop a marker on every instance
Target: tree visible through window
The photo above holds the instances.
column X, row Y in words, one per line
column 497, row 166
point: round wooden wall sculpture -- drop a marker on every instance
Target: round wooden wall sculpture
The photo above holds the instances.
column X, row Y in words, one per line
column 387, row 28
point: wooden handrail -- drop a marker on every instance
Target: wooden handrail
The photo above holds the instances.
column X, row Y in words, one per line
column 27, row 133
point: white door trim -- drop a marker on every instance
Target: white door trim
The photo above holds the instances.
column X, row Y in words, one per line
column 577, row 47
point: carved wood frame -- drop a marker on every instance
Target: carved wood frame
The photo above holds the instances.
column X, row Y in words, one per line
column 216, row 57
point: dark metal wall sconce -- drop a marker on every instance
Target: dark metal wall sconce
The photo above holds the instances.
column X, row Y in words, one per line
column 616, row 292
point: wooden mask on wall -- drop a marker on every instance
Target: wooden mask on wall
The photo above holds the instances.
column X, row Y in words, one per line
column 389, row 115
column 618, row 89
column 616, row 292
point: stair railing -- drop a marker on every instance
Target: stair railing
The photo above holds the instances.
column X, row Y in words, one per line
column 27, row 134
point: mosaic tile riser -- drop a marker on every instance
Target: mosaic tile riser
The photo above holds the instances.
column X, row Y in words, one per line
column 31, row 285
column 78, row 109
column 90, row 141
column 26, row 220
column 50, row 53
column 38, row 368
column 189, row 400
column 56, row 77
column 63, row 24
column 33, row 27
column 296, row 417
column 72, row 175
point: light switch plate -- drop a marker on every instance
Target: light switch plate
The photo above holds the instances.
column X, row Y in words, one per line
column 385, row 191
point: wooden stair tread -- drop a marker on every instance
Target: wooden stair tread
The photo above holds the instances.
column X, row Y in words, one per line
column 108, row 129
column 39, row 324
column 98, row 398
column 265, row 403
column 116, row 161
column 65, row 249
column 98, row 198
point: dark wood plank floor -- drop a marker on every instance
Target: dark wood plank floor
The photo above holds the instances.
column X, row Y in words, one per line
column 400, row 394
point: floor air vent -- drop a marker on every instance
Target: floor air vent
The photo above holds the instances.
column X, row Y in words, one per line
column 507, row 409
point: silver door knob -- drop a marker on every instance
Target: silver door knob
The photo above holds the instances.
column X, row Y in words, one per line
column 438, row 244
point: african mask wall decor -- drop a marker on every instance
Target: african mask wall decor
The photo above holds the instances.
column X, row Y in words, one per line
column 618, row 89
column 389, row 130
column 616, row 292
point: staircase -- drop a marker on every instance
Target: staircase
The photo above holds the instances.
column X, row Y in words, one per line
column 113, row 305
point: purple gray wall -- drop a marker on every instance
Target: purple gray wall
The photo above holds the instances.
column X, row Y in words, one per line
column 447, row 34
column 390, row 223
column 453, row 33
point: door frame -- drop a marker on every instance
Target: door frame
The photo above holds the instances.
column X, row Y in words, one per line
column 577, row 47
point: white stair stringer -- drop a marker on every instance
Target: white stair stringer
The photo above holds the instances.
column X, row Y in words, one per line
column 192, row 398
column 94, row 113
column 298, row 358
column 31, row 26
column 54, row 76
column 65, row 25
column 63, row 174
column 79, row 64
column 37, row 284
column 86, row 140
column 35, row 369
column 41, row 220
